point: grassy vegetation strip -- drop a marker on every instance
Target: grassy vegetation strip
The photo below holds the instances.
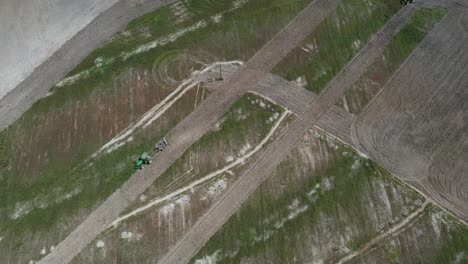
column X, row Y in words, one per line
column 326, row 51
column 208, row 177
column 394, row 55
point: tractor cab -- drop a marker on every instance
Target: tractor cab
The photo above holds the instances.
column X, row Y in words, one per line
column 145, row 158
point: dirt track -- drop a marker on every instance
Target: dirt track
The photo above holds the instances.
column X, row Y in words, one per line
column 192, row 128
column 54, row 69
column 417, row 130
column 278, row 151
column 336, row 121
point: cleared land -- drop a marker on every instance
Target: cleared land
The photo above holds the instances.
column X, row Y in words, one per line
column 418, row 130
column 50, row 72
column 191, row 129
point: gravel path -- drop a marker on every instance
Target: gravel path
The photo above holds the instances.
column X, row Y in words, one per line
column 214, row 219
column 54, row 69
column 192, row 128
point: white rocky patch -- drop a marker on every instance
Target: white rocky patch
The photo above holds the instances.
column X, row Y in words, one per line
column 217, row 188
column 209, row 259
column 129, row 236
column 327, row 184
column 143, row 198
column 311, row 193
column 294, row 210
column 126, row 235
column 357, row 44
column 164, row 40
column 435, row 225
column 386, row 200
column 167, row 209
column 217, row 18
column 273, row 118
column 21, row 209
column 460, row 257
column 244, row 150
column 219, row 124
column 229, row 159
column 182, row 201
column 356, row 164
column 301, row 81
column 43, row 251
column 100, row 244
column 240, row 115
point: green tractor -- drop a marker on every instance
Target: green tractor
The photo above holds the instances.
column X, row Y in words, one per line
column 405, row 2
column 145, row 158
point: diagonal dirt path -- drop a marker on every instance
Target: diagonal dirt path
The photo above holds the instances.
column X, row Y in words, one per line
column 394, row 231
column 192, row 128
column 214, row 219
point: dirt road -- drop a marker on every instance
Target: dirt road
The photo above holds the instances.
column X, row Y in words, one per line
column 278, row 151
column 192, row 128
column 54, row 69
column 336, row 121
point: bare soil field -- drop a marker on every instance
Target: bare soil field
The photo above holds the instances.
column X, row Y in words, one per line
column 67, row 53
column 416, row 127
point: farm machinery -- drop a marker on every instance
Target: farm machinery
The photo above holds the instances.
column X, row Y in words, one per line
column 405, row 2
column 146, row 158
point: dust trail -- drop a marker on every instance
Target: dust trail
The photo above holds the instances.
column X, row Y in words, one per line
column 238, row 161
